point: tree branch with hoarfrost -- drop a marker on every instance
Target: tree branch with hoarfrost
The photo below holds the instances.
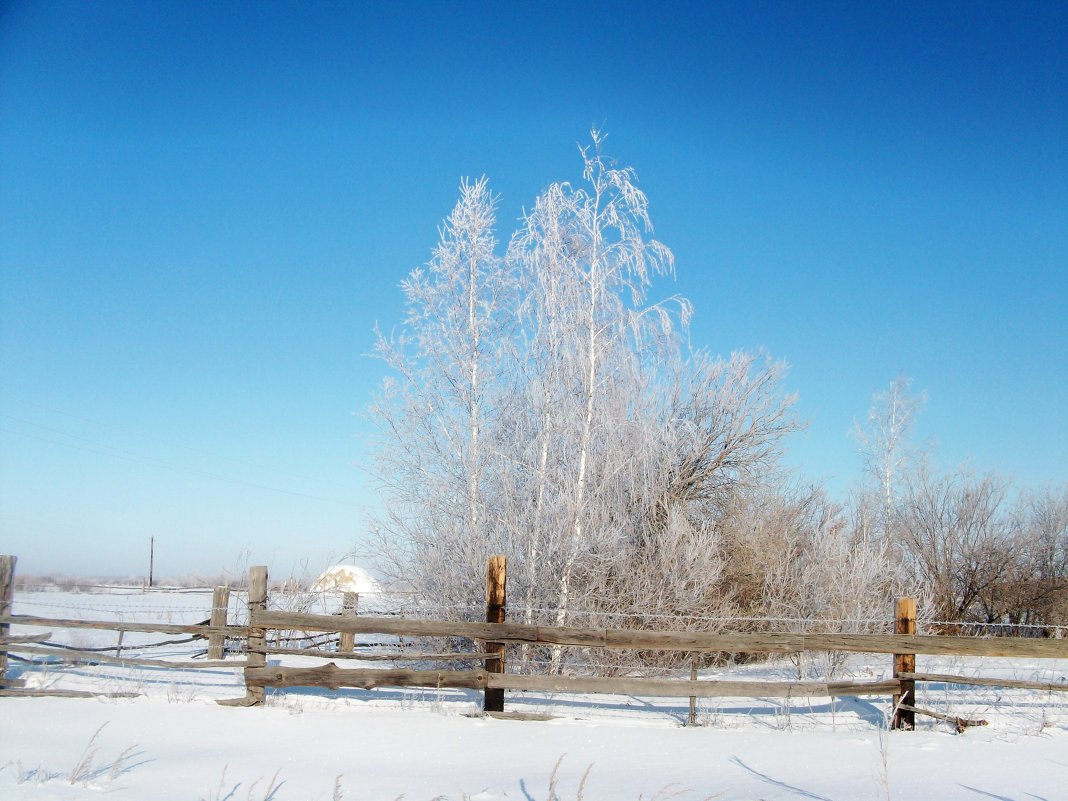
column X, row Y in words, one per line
column 540, row 406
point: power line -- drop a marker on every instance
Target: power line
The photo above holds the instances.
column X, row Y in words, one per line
column 150, row 461
column 172, row 443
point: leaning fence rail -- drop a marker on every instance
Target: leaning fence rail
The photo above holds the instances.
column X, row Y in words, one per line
column 760, row 642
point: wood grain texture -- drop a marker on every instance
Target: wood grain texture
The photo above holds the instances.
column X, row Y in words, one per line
column 74, row 655
column 111, row 625
column 496, row 601
column 332, row 677
column 674, row 641
column 904, row 702
column 220, row 602
column 257, row 635
column 1015, row 684
column 7, row 594
column 16, row 693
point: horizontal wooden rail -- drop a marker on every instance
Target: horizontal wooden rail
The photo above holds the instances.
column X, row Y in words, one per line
column 38, row 693
column 1015, row 684
column 26, row 638
column 960, row 723
column 671, row 640
column 676, row 688
column 71, row 654
column 455, row 656
column 110, row 625
column 332, row 677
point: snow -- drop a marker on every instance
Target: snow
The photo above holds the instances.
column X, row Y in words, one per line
column 174, row 742
column 346, row 578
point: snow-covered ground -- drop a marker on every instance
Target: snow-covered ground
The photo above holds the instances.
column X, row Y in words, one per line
column 175, row 742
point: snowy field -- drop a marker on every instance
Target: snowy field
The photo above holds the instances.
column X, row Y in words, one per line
column 174, row 742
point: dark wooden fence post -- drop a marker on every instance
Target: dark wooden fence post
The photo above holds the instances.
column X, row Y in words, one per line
column 257, row 637
column 905, row 623
column 220, row 602
column 496, row 602
column 349, row 606
column 7, row 592
column 692, row 720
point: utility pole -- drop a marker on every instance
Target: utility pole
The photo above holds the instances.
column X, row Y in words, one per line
column 151, row 558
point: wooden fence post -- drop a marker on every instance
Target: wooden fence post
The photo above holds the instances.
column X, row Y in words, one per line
column 349, row 606
column 692, row 720
column 220, row 602
column 905, row 623
column 7, row 592
column 496, row 602
column 257, row 637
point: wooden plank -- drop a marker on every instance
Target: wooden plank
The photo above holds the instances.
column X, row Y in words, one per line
column 904, row 716
column 960, row 723
column 7, row 593
column 220, row 603
column 26, row 638
column 243, row 701
column 496, row 600
column 111, row 625
column 350, row 605
column 676, row 688
column 257, row 635
column 526, row 716
column 508, row 632
column 399, row 656
column 71, row 654
column 984, row 682
column 16, row 693
column 691, row 720
column 333, row 677
column 674, row 641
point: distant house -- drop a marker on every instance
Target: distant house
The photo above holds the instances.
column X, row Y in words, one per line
column 346, row 578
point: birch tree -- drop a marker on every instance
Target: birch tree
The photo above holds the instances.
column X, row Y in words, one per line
column 541, row 406
column 437, row 410
column 886, row 443
column 587, row 264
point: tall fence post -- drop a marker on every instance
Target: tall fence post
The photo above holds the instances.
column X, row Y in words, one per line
column 496, row 602
column 349, row 606
column 904, row 623
column 7, row 593
column 257, row 637
column 220, row 603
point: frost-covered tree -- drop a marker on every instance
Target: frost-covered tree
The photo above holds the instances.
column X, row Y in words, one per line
column 438, row 411
column 540, row 406
column 885, row 440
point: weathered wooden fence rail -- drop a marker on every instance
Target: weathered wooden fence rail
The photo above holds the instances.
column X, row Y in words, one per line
column 333, row 677
column 671, row 640
column 113, row 625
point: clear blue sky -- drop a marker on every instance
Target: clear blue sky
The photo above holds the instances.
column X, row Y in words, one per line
column 205, row 208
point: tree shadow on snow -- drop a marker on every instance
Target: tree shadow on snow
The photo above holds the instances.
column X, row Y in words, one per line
column 776, row 783
column 985, row 794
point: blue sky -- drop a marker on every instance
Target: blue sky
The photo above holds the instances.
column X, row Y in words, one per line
column 206, row 207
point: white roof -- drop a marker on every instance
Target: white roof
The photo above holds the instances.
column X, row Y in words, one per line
column 346, row 578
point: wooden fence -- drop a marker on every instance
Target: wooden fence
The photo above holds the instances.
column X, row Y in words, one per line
column 496, row 635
